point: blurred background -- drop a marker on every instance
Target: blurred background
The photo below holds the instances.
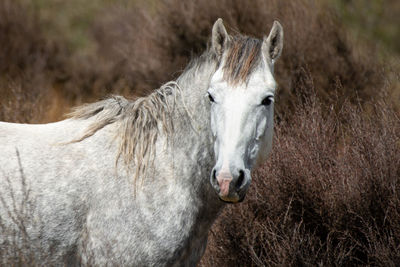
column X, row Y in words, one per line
column 329, row 194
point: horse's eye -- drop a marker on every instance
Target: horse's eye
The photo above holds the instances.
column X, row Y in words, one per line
column 267, row 101
column 210, row 97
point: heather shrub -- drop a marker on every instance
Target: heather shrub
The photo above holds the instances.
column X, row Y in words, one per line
column 30, row 64
column 20, row 47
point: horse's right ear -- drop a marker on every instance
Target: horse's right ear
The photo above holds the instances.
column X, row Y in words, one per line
column 220, row 38
column 272, row 46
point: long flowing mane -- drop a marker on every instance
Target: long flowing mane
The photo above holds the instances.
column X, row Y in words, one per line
column 139, row 123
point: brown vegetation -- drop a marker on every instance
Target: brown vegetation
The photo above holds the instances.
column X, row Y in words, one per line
column 329, row 194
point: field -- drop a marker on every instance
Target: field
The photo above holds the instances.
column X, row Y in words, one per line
column 329, row 193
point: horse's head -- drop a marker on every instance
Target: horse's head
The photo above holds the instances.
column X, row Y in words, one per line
column 241, row 92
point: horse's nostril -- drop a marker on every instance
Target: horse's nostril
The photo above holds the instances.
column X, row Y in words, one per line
column 214, row 175
column 240, row 180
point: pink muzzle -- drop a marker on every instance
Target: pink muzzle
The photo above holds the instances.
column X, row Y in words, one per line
column 224, row 180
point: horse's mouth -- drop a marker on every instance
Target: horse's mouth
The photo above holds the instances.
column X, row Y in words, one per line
column 232, row 200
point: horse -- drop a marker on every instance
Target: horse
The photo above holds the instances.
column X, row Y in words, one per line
column 140, row 182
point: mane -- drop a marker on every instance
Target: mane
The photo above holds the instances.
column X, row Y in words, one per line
column 139, row 123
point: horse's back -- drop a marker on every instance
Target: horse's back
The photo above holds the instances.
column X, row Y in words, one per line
column 32, row 148
column 40, row 180
column 28, row 143
column 50, row 132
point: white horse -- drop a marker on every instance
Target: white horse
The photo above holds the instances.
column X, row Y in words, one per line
column 140, row 182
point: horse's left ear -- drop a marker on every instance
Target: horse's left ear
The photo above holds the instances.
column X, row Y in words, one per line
column 272, row 45
column 220, row 37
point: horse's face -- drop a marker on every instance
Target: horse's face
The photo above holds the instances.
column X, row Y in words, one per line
column 242, row 117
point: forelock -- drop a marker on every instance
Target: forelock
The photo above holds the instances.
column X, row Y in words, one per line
column 242, row 57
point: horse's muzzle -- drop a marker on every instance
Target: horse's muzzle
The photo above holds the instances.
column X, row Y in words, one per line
column 231, row 186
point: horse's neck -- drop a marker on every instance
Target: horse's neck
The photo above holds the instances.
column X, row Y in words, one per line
column 193, row 154
column 192, row 117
